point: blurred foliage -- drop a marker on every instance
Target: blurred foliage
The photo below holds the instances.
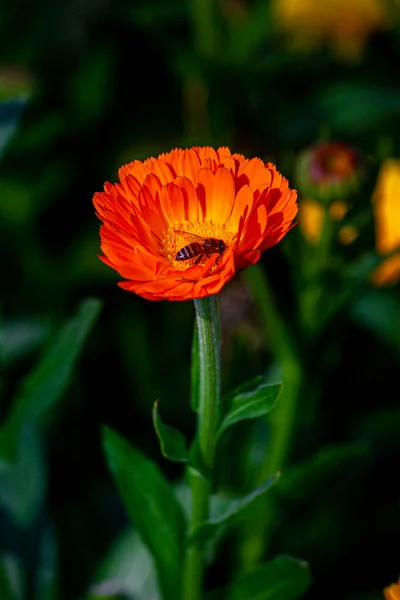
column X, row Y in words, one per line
column 84, row 87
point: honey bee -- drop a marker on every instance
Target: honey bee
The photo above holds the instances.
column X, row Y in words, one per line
column 200, row 247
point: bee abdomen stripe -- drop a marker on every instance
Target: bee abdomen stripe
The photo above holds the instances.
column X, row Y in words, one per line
column 188, row 252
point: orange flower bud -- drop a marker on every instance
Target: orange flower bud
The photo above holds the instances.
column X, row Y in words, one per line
column 329, row 172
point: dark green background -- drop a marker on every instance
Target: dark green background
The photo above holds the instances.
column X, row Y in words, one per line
column 111, row 82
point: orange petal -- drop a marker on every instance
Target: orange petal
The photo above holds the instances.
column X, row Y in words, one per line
column 229, row 163
column 152, row 208
column 118, row 219
column 224, row 195
column 184, row 163
column 207, row 152
column 194, row 211
column 242, row 206
column 135, row 168
column 261, row 179
column 250, row 168
column 223, row 152
column 163, row 171
column 239, row 159
column 131, row 187
column 173, row 203
column 209, row 163
column 188, row 166
column 253, row 231
column 247, row 259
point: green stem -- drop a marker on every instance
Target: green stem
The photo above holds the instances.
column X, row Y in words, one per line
column 312, row 304
column 258, row 525
column 260, row 522
column 204, row 15
column 208, row 418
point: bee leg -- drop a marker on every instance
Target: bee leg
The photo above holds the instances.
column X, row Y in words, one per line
column 198, row 259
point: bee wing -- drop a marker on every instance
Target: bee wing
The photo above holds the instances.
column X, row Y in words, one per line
column 190, row 237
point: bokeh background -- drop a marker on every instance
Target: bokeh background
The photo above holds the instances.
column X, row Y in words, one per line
column 87, row 86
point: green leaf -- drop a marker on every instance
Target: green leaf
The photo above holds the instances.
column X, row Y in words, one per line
column 12, row 581
column 247, row 386
column 44, row 386
column 195, row 371
column 22, row 336
column 23, row 482
column 152, row 507
column 250, row 405
column 172, row 441
column 173, row 445
column 6, row 592
column 212, row 528
column 136, row 578
column 308, row 477
column 108, row 590
column 284, row 578
column 47, row 572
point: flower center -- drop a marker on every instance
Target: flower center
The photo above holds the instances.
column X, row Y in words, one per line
column 186, row 243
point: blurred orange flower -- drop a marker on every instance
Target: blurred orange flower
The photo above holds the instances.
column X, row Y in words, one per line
column 179, row 226
column 344, row 24
column 392, row 592
column 386, row 203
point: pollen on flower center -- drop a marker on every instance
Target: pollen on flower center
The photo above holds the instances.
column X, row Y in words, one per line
column 190, row 237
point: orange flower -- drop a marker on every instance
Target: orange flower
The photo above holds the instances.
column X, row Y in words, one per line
column 392, row 592
column 179, row 226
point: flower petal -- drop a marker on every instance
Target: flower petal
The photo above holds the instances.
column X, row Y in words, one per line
column 241, row 208
column 193, row 209
column 216, row 191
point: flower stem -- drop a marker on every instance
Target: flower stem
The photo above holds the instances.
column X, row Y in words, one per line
column 208, row 417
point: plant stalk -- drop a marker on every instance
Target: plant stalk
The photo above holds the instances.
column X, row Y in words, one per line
column 257, row 528
column 208, row 418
